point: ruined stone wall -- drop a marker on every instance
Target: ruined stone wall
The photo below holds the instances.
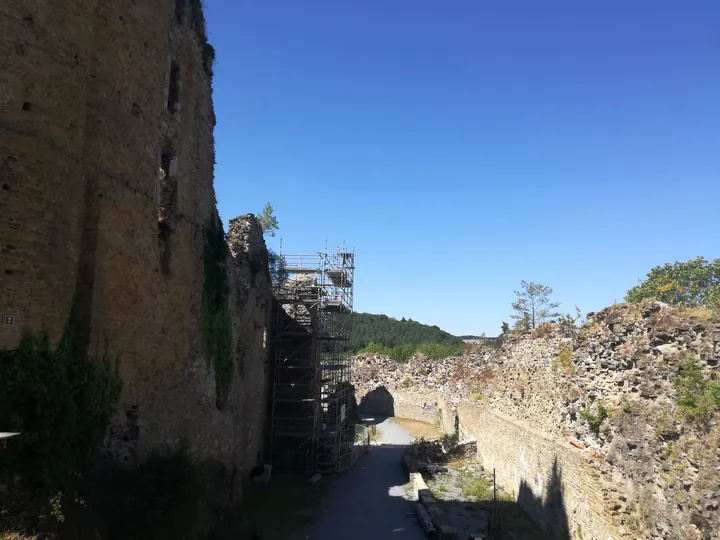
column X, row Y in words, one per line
column 654, row 472
column 106, row 185
column 556, row 484
column 42, row 139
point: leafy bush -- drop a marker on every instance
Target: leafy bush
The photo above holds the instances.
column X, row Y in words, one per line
column 595, row 419
column 564, row 359
column 437, row 351
column 697, row 397
column 477, row 489
column 375, row 348
column 691, row 284
column 402, row 353
column 60, row 401
column 570, row 323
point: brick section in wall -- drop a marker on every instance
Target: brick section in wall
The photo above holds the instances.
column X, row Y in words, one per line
column 555, row 483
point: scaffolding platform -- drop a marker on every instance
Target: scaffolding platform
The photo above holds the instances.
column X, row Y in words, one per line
column 310, row 431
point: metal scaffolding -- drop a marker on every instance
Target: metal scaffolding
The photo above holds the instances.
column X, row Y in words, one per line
column 311, row 383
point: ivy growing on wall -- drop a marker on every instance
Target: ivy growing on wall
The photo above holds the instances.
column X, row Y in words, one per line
column 60, row 402
column 216, row 323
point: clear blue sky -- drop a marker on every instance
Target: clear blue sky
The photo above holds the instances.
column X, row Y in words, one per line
column 462, row 146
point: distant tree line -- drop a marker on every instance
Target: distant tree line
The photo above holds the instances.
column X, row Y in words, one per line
column 402, row 353
column 389, row 332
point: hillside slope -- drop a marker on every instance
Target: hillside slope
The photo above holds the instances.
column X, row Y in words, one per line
column 366, row 327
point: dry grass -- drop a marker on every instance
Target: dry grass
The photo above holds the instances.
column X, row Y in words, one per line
column 15, row 536
column 543, row 331
column 698, row 313
column 417, row 428
column 461, row 372
column 458, row 462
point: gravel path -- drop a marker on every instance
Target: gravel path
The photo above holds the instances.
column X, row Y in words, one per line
column 367, row 502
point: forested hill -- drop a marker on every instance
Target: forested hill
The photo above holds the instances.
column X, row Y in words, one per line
column 366, row 327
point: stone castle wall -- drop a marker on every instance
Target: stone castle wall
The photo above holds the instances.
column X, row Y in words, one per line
column 648, row 472
column 555, row 483
column 106, row 184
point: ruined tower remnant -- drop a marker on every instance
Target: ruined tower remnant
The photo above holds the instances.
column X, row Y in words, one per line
column 106, row 188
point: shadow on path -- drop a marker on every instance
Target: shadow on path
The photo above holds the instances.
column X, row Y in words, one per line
column 367, row 502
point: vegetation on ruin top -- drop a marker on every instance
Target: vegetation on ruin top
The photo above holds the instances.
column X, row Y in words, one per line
column 690, row 284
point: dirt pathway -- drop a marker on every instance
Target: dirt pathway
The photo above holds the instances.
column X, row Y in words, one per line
column 367, row 502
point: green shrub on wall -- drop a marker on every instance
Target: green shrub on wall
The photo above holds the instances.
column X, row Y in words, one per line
column 564, row 359
column 60, row 401
column 697, row 396
column 216, row 323
column 595, row 419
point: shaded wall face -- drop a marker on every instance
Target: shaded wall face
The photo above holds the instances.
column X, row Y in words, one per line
column 45, row 57
column 87, row 216
column 140, row 286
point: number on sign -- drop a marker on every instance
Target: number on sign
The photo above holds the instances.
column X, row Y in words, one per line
column 8, row 320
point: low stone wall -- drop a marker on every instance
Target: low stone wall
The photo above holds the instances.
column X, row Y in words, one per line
column 556, row 483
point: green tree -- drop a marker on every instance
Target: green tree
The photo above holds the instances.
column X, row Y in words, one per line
column 533, row 306
column 276, row 262
column 277, row 267
column 268, row 222
column 695, row 283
